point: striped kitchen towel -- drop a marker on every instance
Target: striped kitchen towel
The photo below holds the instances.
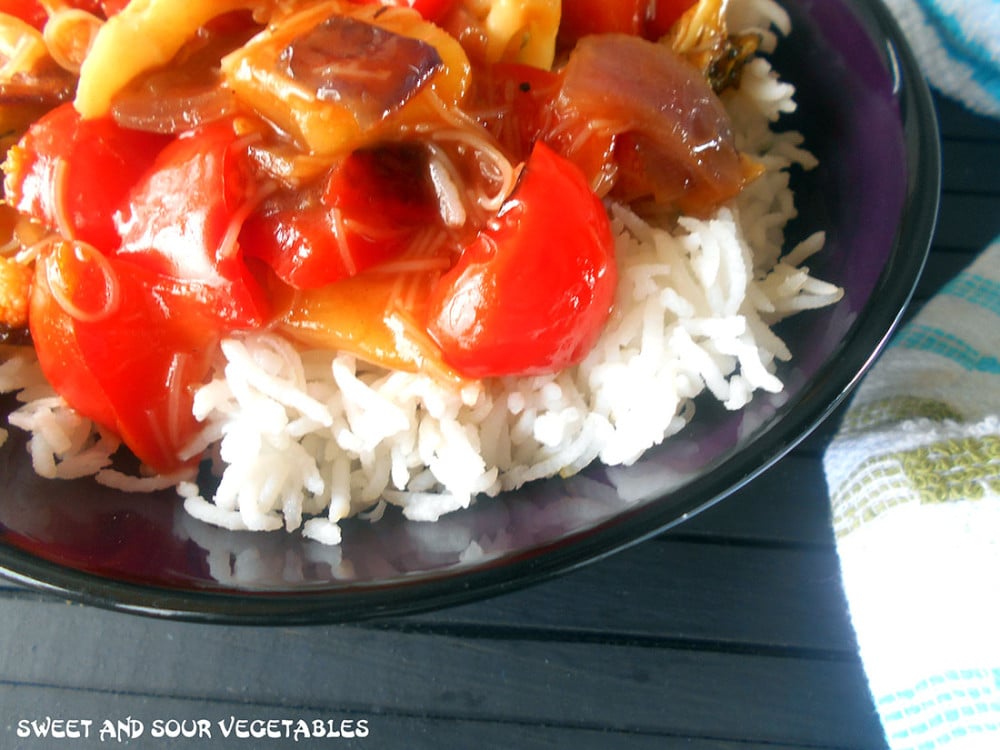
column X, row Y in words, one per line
column 914, row 470
column 958, row 44
column 914, row 479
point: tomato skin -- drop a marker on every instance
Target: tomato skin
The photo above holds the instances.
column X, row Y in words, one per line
column 29, row 11
column 132, row 368
column 647, row 18
column 532, row 294
column 431, row 10
column 59, row 354
column 516, row 105
column 112, row 7
column 516, row 100
column 67, row 170
column 365, row 212
column 34, row 13
column 179, row 218
column 583, row 17
column 665, row 13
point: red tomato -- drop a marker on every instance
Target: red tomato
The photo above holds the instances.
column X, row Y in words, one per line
column 34, row 13
column 123, row 346
column 515, row 102
column 54, row 339
column 533, row 292
column 72, row 174
column 111, row 7
column 649, row 18
column 29, row 11
column 100, row 8
column 665, row 13
column 366, row 211
column 182, row 220
column 95, row 7
column 583, row 17
column 432, row 10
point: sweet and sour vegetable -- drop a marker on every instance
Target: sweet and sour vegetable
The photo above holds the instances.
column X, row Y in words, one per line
column 418, row 182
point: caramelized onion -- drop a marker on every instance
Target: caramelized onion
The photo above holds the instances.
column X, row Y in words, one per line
column 173, row 110
column 190, row 91
column 675, row 139
column 26, row 99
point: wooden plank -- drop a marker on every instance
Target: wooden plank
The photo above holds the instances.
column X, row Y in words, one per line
column 966, row 166
column 155, row 719
column 366, row 671
column 956, row 121
column 721, row 597
column 967, row 222
column 787, row 504
column 940, row 269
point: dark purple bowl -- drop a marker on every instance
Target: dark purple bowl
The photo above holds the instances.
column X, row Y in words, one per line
column 868, row 116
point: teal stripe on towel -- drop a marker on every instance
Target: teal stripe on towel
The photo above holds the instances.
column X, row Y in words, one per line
column 935, row 712
column 945, row 344
column 981, row 63
column 978, row 290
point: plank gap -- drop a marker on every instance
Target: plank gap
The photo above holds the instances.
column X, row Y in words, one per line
column 482, row 632
column 719, row 540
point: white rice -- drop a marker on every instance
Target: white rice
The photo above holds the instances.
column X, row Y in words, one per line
column 307, row 439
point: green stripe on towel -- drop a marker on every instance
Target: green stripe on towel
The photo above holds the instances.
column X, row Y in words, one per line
column 965, row 468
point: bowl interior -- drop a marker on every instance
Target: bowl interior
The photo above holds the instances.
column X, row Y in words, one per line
column 866, row 114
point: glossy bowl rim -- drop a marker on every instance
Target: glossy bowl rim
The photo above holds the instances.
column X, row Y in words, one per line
column 444, row 588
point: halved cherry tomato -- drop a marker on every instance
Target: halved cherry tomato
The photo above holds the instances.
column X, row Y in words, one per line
column 367, row 210
column 533, row 292
column 182, row 220
column 124, row 346
column 72, row 174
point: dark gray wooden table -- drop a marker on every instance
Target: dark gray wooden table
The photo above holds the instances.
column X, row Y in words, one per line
column 729, row 633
